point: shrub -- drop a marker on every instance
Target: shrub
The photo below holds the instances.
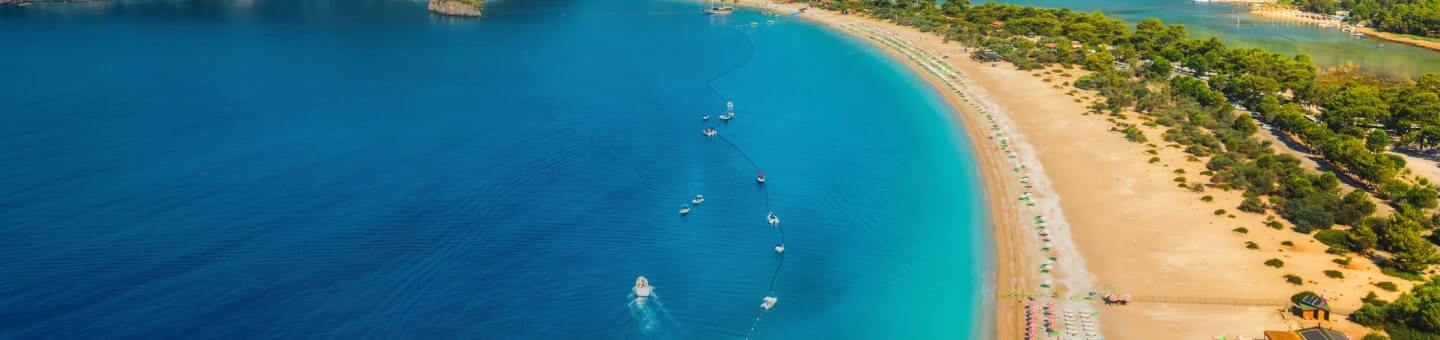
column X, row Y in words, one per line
column 1219, row 212
column 1207, row 173
column 1334, row 238
column 1294, row 280
column 1180, row 179
column 1372, row 298
column 1207, row 198
column 1387, row 286
column 1369, row 315
column 1396, row 272
column 1252, row 204
column 1241, row 230
column 1275, row 263
column 1334, row 274
column 1274, row 225
column 1375, row 336
column 1154, row 160
column 1179, row 171
column 1287, row 244
column 1345, row 261
column 1133, row 134
column 1251, row 245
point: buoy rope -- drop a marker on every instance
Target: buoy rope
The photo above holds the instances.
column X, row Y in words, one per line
column 748, row 57
column 764, row 188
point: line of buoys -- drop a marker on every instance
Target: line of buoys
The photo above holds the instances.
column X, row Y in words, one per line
column 768, row 302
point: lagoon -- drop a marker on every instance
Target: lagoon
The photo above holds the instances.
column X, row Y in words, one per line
column 1234, row 25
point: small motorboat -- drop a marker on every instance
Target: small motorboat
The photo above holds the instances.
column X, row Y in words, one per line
column 726, row 116
column 729, row 106
column 760, row 177
column 684, row 210
column 698, row 199
column 768, row 302
column 709, row 132
column 779, row 248
column 642, row 287
column 774, row 220
column 705, row 118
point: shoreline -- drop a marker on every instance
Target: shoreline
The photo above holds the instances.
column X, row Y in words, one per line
column 1125, row 226
column 1004, row 315
column 1287, row 14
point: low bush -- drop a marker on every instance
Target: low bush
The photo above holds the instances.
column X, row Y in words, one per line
column 1334, row 274
column 1275, row 263
column 1241, row 230
column 1396, row 272
column 1294, row 280
column 1387, row 286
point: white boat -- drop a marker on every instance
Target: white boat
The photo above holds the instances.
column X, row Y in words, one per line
column 779, row 248
column 774, row 220
column 684, row 210
column 726, row 116
column 705, row 118
column 698, row 199
column 768, row 302
column 729, row 106
column 709, row 132
column 760, row 177
column 642, row 287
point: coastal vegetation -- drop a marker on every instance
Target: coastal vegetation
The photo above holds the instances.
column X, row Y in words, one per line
column 1415, row 17
column 1212, row 100
column 1414, row 315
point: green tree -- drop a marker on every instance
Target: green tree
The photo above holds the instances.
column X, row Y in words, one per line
column 1101, row 61
column 1355, row 105
column 1159, row 68
column 1376, row 140
column 1412, row 252
column 1362, row 239
column 1413, row 110
column 1354, row 206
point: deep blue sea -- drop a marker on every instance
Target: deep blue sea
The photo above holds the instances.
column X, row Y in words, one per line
column 342, row 169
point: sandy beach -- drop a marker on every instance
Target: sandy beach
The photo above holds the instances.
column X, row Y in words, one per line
column 1118, row 223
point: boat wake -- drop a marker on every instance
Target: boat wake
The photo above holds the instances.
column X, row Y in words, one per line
column 650, row 316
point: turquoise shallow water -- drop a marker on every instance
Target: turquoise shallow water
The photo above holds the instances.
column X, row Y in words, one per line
column 1235, row 26
column 336, row 169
